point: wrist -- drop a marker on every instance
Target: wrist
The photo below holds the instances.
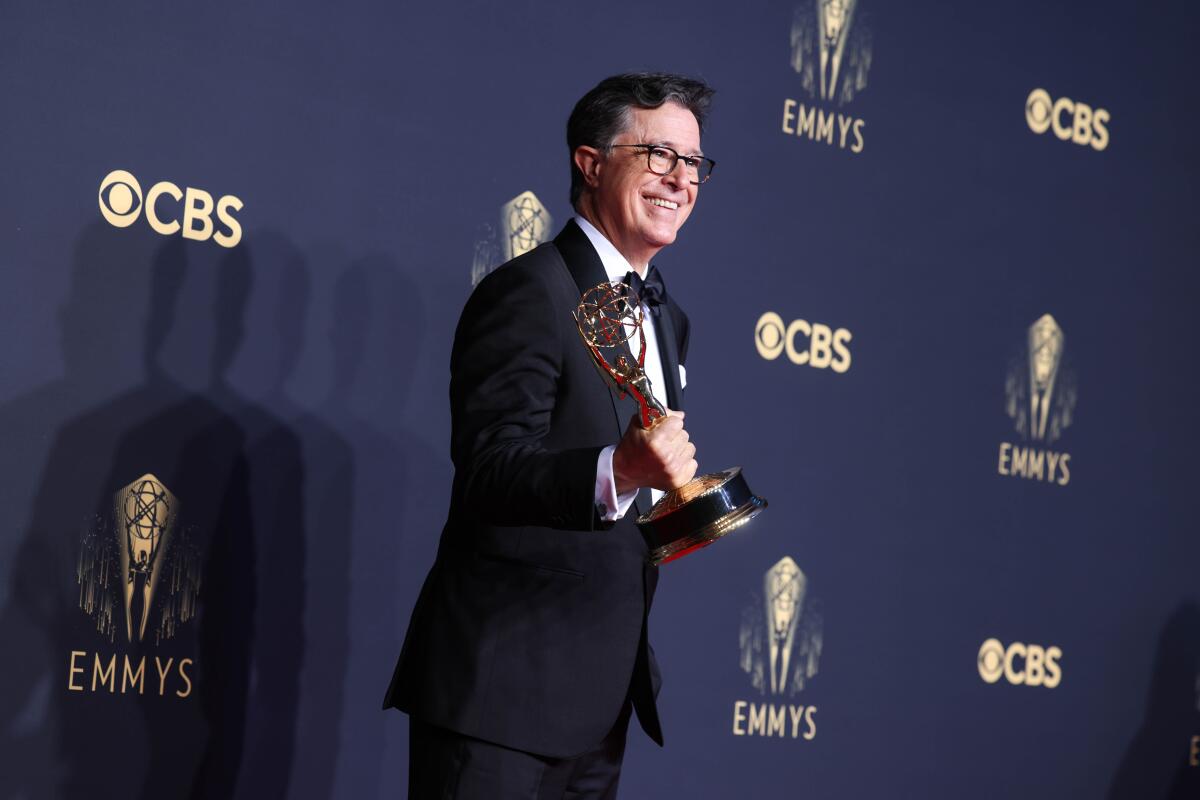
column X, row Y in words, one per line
column 621, row 479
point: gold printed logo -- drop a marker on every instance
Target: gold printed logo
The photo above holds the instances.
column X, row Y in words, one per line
column 169, row 209
column 824, row 53
column 780, row 643
column 990, row 661
column 783, row 589
column 834, row 18
column 778, row 653
column 1069, row 119
column 815, row 344
column 145, row 512
column 1040, row 396
column 140, row 563
column 1020, row 664
column 120, row 198
column 832, row 56
column 524, row 224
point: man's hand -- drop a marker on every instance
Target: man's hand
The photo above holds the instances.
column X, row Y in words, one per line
column 661, row 458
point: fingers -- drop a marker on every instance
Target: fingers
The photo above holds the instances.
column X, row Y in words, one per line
column 684, row 473
column 675, row 418
column 670, row 426
column 681, row 466
column 669, row 437
column 663, row 425
column 672, row 441
column 662, row 457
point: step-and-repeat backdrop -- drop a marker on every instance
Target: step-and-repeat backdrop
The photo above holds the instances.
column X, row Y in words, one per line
column 942, row 289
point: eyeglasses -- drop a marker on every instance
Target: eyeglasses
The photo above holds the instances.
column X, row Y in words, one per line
column 662, row 160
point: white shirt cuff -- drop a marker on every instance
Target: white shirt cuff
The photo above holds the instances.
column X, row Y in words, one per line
column 610, row 505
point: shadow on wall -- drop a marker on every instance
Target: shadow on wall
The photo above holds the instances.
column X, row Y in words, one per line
column 1157, row 761
column 303, row 485
column 363, row 468
column 376, row 332
column 147, row 513
column 279, row 535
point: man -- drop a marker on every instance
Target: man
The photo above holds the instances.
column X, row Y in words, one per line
column 528, row 645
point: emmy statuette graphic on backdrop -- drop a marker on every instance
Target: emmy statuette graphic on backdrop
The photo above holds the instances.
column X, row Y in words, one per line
column 146, row 512
column 706, row 508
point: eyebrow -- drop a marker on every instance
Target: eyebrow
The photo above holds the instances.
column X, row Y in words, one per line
column 675, row 147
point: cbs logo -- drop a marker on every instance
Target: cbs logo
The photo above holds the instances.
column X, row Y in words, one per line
column 1021, row 664
column 814, row 344
column 1073, row 121
column 122, row 202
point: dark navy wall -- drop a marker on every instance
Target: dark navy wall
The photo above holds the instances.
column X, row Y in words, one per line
column 288, row 391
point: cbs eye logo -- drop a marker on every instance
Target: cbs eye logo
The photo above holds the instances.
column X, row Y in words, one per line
column 1071, row 120
column 1021, row 664
column 191, row 213
column 813, row 344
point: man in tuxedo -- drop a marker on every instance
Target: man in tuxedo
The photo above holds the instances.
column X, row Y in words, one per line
column 528, row 647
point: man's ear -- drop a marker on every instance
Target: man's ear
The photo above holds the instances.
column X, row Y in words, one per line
column 589, row 162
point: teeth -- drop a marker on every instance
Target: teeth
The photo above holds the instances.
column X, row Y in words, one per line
column 658, row 201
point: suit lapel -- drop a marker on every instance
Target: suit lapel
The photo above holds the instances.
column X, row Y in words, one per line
column 587, row 270
column 583, row 262
column 668, row 352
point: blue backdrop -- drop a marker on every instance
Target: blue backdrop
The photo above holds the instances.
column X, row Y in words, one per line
column 236, row 239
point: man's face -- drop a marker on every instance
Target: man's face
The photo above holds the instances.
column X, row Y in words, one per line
column 639, row 210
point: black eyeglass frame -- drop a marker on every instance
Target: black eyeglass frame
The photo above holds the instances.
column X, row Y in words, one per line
column 675, row 159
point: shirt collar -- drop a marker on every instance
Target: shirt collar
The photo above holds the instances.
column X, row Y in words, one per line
column 616, row 266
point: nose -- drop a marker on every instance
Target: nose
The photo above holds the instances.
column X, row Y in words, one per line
column 678, row 177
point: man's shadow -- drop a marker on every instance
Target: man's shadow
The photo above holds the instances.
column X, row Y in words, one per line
column 303, row 483
column 1156, row 762
column 377, row 331
column 102, row 323
column 277, row 478
column 364, row 472
column 159, row 713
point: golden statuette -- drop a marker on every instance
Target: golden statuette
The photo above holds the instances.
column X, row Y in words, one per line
column 687, row 518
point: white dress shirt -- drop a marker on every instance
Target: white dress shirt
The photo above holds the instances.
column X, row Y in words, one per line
column 613, row 506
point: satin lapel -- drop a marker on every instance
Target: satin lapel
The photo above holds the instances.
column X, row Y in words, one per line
column 668, row 349
column 587, row 270
column 581, row 258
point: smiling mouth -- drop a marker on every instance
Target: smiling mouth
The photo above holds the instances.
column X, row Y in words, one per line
column 661, row 203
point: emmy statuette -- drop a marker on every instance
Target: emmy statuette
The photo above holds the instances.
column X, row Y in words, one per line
column 706, row 508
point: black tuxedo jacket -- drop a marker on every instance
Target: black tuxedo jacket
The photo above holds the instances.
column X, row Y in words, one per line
column 530, row 630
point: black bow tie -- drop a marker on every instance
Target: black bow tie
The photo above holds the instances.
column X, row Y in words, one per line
column 651, row 291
